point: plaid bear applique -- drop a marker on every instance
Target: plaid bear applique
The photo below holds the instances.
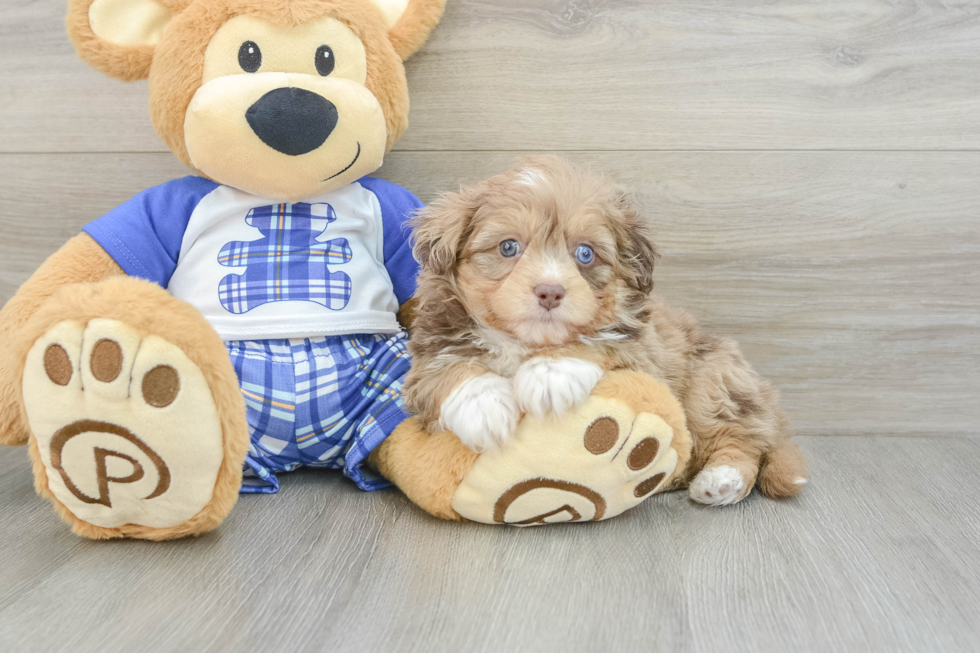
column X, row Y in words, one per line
column 288, row 263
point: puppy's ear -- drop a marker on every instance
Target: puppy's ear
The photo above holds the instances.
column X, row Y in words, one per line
column 409, row 22
column 118, row 37
column 643, row 256
column 440, row 230
column 637, row 253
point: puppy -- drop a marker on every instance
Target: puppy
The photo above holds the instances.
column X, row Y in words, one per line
column 536, row 282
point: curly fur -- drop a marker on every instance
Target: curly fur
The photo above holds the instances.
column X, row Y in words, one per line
column 476, row 314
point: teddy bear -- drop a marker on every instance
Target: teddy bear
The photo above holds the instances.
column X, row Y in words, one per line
column 221, row 329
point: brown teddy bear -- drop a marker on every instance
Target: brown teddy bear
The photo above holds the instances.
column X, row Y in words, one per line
column 220, row 329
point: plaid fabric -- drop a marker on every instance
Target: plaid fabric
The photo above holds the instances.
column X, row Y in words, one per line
column 288, row 263
column 319, row 402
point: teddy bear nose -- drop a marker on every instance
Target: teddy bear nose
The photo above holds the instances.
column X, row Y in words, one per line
column 549, row 294
column 293, row 121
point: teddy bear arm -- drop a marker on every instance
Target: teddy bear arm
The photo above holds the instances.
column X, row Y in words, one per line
column 426, row 467
column 79, row 260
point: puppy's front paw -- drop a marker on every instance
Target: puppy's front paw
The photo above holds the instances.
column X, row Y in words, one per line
column 481, row 412
column 553, row 386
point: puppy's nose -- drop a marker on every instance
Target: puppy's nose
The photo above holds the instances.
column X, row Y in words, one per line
column 549, row 294
column 293, row 121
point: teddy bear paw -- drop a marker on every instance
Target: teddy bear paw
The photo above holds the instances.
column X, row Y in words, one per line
column 592, row 464
column 125, row 425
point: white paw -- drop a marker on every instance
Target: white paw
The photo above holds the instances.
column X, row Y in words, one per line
column 553, row 386
column 481, row 412
column 718, row 486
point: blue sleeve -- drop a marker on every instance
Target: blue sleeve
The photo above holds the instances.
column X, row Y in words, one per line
column 143, row 235
column 397, row 206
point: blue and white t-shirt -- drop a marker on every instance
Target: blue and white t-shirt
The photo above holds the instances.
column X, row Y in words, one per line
column 337, row 264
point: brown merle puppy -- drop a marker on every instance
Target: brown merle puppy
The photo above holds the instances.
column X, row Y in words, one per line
column 538, row 281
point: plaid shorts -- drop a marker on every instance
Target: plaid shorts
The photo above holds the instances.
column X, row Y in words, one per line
column 319, row 402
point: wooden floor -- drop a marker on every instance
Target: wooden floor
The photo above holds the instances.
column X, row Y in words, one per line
column 812, row 172
column 879, row 554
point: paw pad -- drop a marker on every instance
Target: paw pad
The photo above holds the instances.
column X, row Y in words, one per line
column 57, row 365
column 601, row 436
column 107, row 360
column 594, row 463
column 643, row 453
column 160, row 386
column 649, row 485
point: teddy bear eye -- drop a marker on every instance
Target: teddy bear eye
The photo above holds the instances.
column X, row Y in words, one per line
column 249, row 56
column 324, row 60
column 509, row 248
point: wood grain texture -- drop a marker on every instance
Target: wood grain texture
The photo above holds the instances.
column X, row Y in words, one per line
column 593, row 74
column 850, row 279
column 879, row 553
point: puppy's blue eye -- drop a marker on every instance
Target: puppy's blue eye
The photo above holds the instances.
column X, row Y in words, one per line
column 510, row 248
column 584, row 254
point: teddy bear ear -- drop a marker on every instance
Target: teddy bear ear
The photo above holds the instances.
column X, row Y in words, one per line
column 118, row 37
column 409, row 22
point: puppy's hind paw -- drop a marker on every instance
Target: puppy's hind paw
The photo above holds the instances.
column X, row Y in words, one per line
column 482, row 412
column 718, row 486
column 553, row 386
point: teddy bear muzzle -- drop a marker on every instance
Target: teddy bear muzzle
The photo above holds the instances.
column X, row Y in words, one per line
column 284, row 136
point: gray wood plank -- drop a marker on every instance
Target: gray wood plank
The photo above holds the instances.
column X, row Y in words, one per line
column 879, row 553
column 610, row 75
column 851, row 279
